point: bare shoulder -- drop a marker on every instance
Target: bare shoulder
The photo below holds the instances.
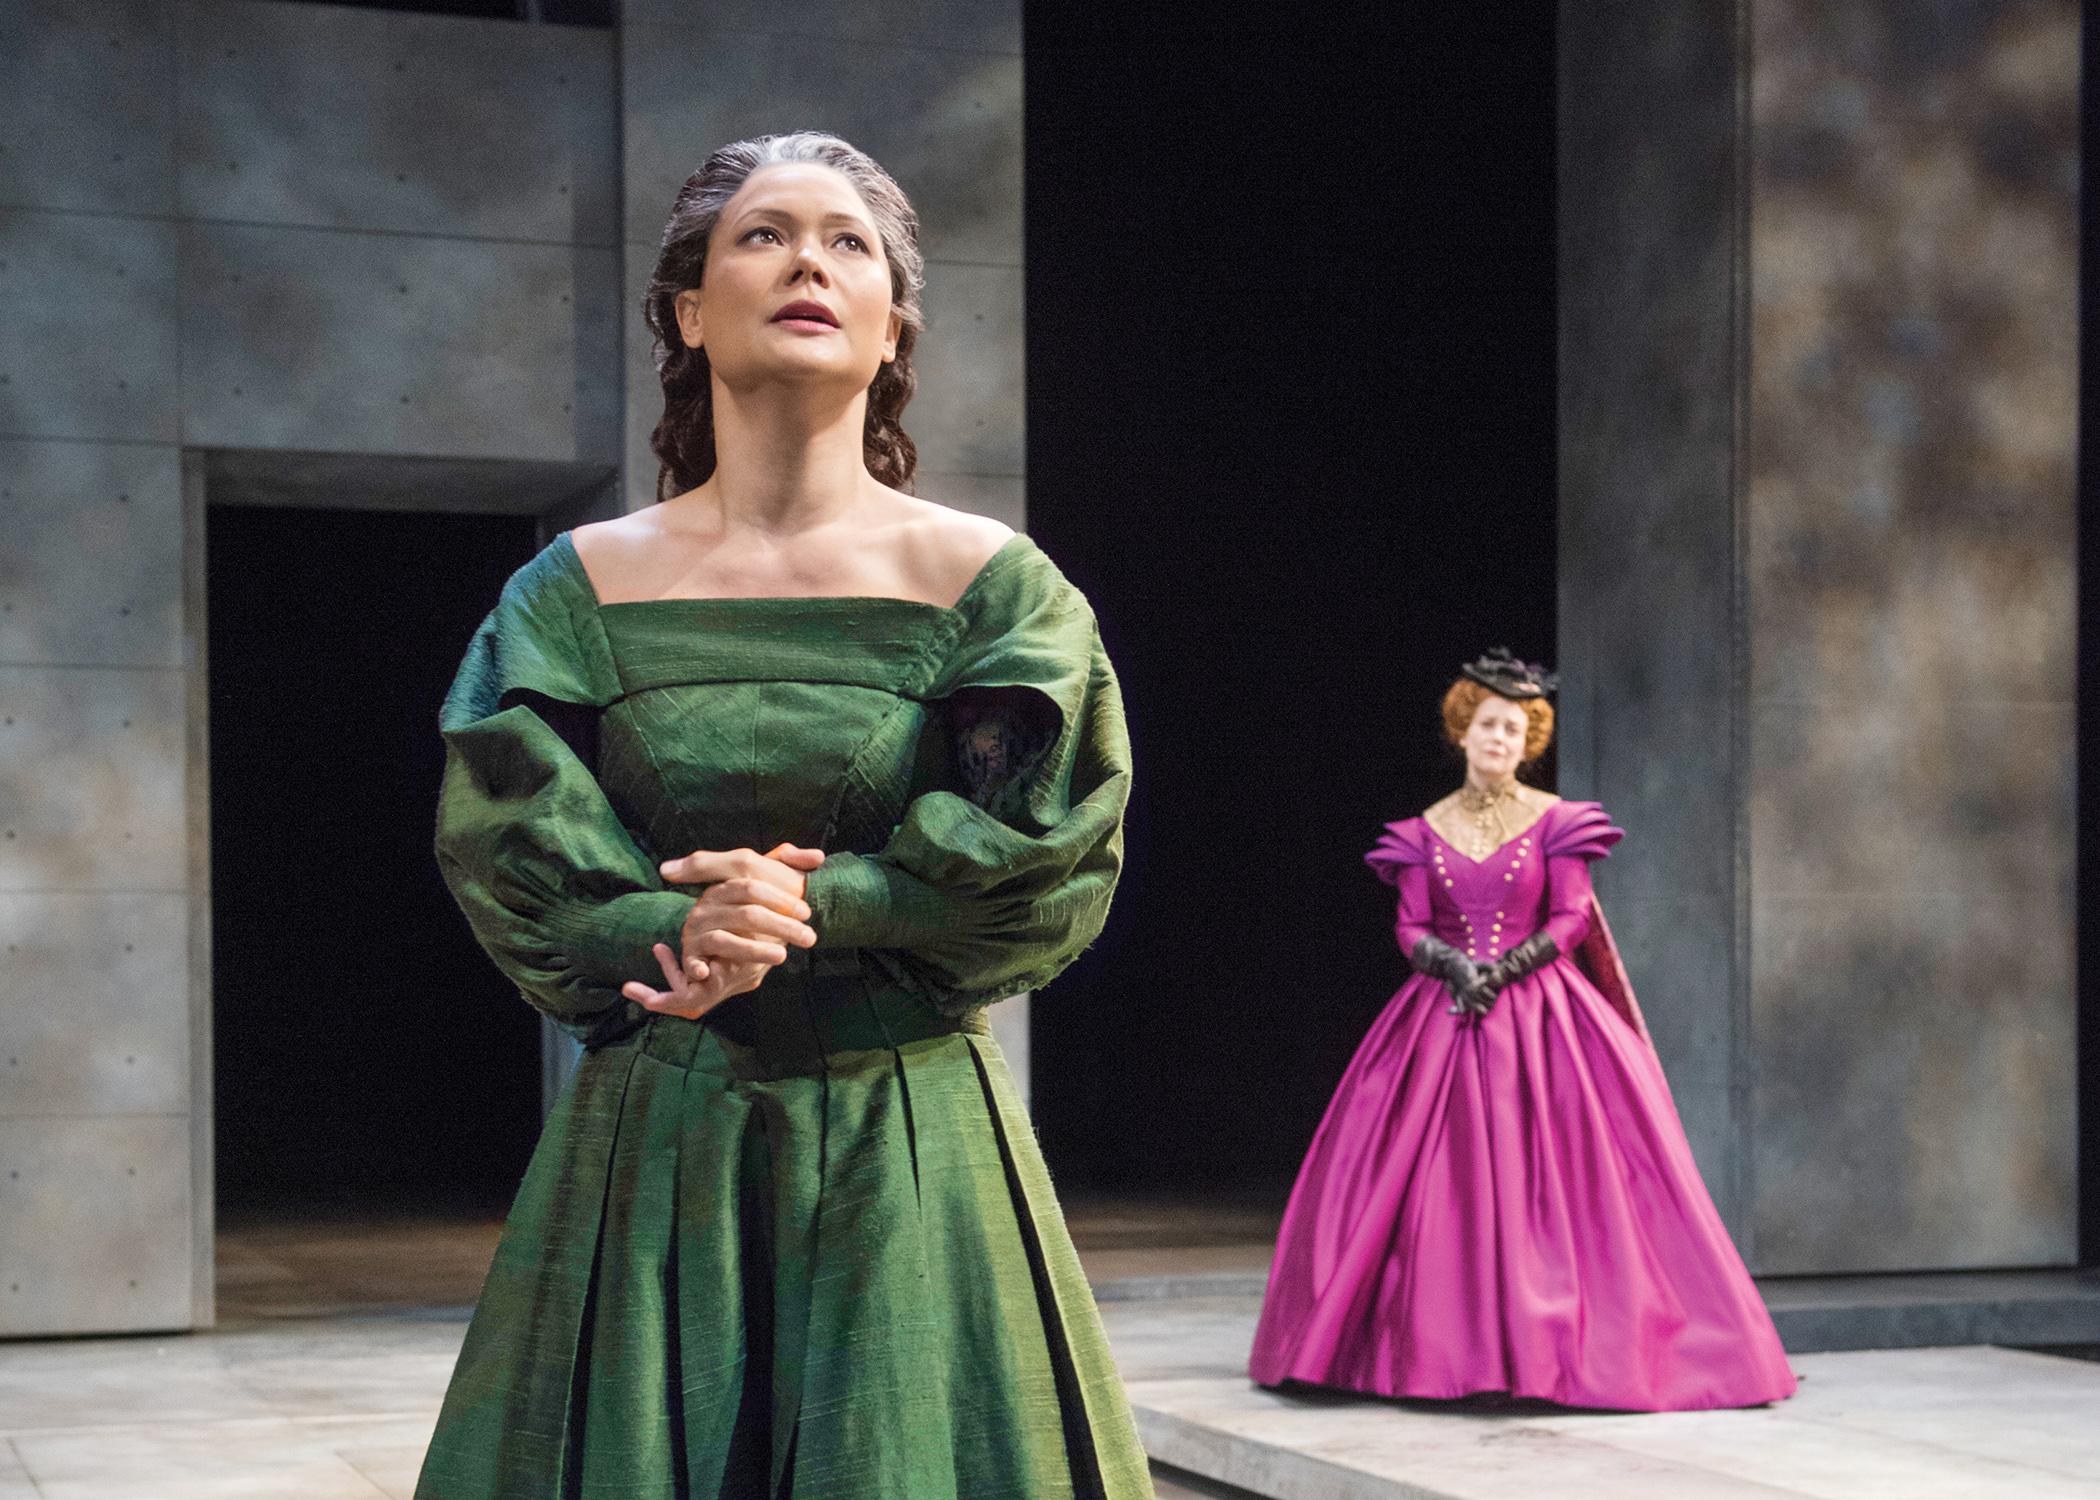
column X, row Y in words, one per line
column 946, row 548
column 613, row 551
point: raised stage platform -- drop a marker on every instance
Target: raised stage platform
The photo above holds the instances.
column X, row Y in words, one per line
column 1909, row 1424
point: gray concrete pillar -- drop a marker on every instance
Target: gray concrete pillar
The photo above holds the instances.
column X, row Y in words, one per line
column 1818, row 611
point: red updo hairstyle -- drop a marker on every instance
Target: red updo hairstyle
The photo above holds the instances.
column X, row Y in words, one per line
column 1463, row 699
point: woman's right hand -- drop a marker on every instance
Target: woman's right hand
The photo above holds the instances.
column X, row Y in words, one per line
column 748, row 912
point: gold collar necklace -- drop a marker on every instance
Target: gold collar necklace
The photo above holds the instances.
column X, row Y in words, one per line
column 1490, row 832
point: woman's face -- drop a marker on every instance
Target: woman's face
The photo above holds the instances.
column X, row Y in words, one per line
column 1494, row 741
column 794, row 233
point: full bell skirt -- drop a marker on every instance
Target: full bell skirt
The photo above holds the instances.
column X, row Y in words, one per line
column 1509, row 1204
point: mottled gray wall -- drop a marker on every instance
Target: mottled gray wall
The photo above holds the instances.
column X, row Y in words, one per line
column 933, row 92
column 1909, row 554
column 1819, row 344
column 230, row 232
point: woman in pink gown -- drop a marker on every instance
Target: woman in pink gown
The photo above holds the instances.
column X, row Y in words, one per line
column 1500, row 1197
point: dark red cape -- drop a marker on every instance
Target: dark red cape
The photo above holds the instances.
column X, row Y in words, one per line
column 1598, row 958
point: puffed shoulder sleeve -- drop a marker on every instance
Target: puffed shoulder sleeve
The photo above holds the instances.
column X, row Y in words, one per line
column 1581, row 829
column 995, row 887
column 554, row 887
column 1398, row 846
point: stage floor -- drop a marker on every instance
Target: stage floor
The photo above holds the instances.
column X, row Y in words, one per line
column 338, row 1331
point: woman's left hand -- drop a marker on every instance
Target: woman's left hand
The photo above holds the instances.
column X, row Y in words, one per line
column 696, row 987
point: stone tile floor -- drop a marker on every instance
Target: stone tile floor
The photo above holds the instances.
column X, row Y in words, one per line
column 338, row 1330
column 338, row 1322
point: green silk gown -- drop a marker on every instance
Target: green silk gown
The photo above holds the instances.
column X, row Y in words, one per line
column 806, row 1246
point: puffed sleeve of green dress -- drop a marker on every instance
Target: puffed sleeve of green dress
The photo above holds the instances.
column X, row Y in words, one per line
column 556, row 890
column 975, row 898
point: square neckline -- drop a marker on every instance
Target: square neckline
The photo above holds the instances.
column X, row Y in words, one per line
column 864, row 600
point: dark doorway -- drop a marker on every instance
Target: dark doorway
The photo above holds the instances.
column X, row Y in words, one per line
column 1291, row 351
column 365, row 1052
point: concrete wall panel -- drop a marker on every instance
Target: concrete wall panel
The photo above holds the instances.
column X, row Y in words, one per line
column 949, row 25
column 598, row 391
column 1903, row 1097
column 363, row 481
column 970, row 414
column 946, row 124
column 84, row 1027
column 1843, row 819
column 1909, row 552
column 334, row 117
column 384, row 343
column 88, row 124
column 84, row 560
column 87, row 349
column 91, row 779
column 97, row 1216
column 642, row 394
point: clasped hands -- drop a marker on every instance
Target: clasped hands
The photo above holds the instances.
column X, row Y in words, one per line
column 1474, row 986
column 1475, row 995
column 748, row 914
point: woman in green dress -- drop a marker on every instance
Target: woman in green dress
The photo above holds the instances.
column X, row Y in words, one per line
column 763, row 793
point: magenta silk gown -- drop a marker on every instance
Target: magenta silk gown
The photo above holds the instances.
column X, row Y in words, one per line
column 1508, row 1203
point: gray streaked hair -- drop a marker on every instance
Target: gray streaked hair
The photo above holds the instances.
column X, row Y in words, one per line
column 684, row 438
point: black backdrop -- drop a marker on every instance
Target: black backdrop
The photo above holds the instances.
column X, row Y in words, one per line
column 1291, row 426
column 360, row 1039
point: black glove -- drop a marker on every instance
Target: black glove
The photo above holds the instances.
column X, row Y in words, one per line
column 1439, row 960
column 1535, row 952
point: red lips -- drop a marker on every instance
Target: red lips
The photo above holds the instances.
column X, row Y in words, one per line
column 814, row 311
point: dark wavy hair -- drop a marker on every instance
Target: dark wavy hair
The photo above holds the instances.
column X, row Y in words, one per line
column 684, row 439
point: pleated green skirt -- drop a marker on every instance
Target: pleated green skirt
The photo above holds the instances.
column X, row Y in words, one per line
column 851, row 1283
